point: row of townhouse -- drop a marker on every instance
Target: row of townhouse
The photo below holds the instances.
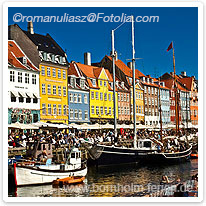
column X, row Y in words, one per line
column 45, row 86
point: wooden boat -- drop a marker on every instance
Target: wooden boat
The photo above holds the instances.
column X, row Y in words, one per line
column 69, row 180
column 26, row 175
column 194, row 156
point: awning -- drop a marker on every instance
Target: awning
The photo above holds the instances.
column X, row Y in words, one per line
column 36, row 95
column 29, row 94
column 15, row 93
column 23, row 94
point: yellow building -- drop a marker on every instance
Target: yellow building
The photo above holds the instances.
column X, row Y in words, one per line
column 53, row 93
column 100, row 83
column 139, row 100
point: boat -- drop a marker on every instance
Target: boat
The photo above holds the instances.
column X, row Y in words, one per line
column 69, row 180
column 170, row 156
column 37, row 174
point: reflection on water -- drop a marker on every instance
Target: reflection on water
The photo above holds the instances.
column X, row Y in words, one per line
column 114, row 181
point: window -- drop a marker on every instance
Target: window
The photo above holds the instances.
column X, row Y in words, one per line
column 60, row 109
column 105, row 83
column 101, row 110
column 122, row 97
column 85, row 99
column 128, row 110
column 152, row 101
column 43, row 89
column 128, row 97
column 72, row 82
column 136, row 95
column 26, row 78
column 13, row 98
column 75, row 98
column 33, row 78
column 137, row 108
column 145, row 89
column 20, row 77
column 54, row 109
column 71, row 113
column 21, row 99
column 125, row 110
column 93, row 82
column 105, row 110
column 119, row 110
column 141, row 96
column 48, row 71
column 100, row 82
column 105, row 96
column 49, row 109
column 140, row 109
column 28, row 100
column 43, row 71
column 54, row 90
column 152, row 90
column 79, row 98
column 109, row 97
column 49, row 88
column 110, row 111
column 76, row 113
column 125, row 97
column 12, row 78
column 59, row 90
column 118, row 96
column 44, row 109
column 54, row 72
column 122, row 110
column 148, row 90
column 64, row 74
column 80, row 114
column 59, row 73
column 70, row 97
column 97, row 95
column 86, row 114
column 92, row 109
column 82, row 83
column 97, row 110
column 64, row 91
column 145, row 100
column 65, row 110
column 92, row 95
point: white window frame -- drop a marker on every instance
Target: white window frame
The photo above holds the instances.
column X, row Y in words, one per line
column 49, row 89
column 54, row 72
column 59, row 74
column 54, row 91
column 20, row 75
column 59, row 90
column 48, row 71
column 43, row 71
column 43, row 88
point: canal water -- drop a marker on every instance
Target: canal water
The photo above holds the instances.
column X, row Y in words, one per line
column 131, row 180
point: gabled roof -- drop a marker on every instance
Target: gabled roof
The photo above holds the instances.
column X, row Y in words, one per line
column 45, row 43
column 72, row 70
column 170, row 82
column 14, row 53
column 187, row 81
column 123, row 67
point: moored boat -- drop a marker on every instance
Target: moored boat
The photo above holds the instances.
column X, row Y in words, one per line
column 68, row 180
column 44, row 174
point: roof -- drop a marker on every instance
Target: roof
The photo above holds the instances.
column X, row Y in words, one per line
column 72, row 70
column 187, row 81
column 127, row 71
column 14, row 53
column 45, row 43
column 170, row 82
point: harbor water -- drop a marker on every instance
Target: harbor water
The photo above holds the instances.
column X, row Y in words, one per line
column 131, row 180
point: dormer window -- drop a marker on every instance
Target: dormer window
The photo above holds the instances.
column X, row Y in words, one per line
column 147, row 80
column 111, row 84
column 130, row 80
column 152, row 81
column 122, row 84
column 143, row 79
column 94, row 82
column 24, row 60
column 72, row 82
column 82, row 83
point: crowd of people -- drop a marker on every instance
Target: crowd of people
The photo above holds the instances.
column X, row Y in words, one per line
column 57, row 138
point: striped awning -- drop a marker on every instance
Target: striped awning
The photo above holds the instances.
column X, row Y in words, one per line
column 22, row 94
column 15, row 93
column 36, row 95
column 29, row 94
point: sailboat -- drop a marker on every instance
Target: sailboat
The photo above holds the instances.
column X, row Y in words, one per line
column 170, row 156
column 101, row 154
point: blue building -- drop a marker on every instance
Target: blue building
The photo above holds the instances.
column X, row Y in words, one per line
column 78, row 96
column 165, row 103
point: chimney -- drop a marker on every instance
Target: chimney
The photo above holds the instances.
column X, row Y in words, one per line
column 30, row 27
column 116, row 56
column 184, row 74
column 129, row 64
column 87, row 58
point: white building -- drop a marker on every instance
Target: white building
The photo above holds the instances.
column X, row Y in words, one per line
column 23, row 91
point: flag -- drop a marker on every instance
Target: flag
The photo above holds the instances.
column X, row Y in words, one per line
column 170, row 46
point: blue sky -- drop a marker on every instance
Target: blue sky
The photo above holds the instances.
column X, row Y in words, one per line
column 151, row 39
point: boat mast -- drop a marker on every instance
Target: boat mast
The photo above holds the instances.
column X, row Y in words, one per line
column 133, row 71
column 176, row 94
column 114, row 88
column 160, row 112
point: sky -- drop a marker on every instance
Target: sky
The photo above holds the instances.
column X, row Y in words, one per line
column 152, row 39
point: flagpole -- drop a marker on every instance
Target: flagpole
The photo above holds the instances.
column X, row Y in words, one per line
column 176, row 93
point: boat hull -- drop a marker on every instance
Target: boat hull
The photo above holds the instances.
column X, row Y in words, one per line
column 26, row 176
column 159, row 158
column 114, row 155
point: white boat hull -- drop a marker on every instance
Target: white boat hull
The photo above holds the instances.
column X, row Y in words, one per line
column 27, row 176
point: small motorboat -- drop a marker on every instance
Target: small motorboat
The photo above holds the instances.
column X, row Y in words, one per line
column 194, row 156
column 69, row 180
